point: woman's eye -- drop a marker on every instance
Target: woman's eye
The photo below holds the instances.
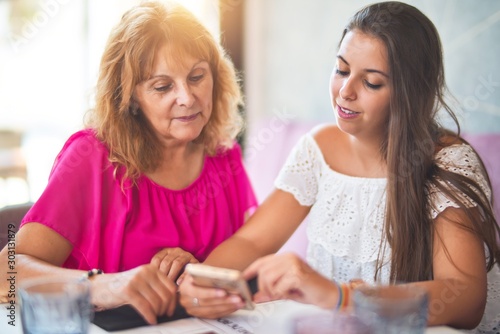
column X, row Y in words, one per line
column 372, row 86
column 341, row 73
column 163, row 88
column 196, row 78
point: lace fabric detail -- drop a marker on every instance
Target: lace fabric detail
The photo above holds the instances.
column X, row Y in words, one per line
column 348, row 212
column 460, row 159
column 345, row 224
column 301, row 172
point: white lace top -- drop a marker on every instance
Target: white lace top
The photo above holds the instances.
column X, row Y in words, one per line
column 347, row 214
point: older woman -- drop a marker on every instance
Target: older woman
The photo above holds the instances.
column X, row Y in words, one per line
column 156, row 179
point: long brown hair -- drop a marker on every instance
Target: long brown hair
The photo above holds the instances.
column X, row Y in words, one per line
column 128, row 59
column 413, row 136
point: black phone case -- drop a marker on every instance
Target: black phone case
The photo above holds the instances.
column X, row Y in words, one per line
column 126, row 317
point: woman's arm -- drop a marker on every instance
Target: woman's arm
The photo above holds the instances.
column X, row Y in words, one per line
column 40, row 252
column 264, row 233
column 458, row 290
column 457, row 294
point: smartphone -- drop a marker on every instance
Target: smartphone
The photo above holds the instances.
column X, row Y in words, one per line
column 229, row 280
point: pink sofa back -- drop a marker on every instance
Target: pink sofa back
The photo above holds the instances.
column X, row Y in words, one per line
column 268, row 147
column 488, row 148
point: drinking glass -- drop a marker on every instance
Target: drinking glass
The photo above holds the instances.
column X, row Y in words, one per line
column 55, row 306
column 392, row 309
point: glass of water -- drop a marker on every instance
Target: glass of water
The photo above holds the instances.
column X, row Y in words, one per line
column 55, row 306
column 392, row 309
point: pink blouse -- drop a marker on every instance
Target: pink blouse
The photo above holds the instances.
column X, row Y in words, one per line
column 117, row 230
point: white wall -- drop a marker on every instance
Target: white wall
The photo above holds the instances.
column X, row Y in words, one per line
column 291, row 47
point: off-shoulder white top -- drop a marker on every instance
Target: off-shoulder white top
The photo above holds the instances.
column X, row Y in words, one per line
column 347, row 215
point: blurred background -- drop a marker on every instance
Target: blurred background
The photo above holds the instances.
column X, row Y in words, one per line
column 284, row 49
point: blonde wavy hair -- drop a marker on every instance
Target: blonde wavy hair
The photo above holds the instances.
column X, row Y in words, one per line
column 128, row 59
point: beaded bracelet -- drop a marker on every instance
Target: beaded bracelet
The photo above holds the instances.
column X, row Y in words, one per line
column 92, row 272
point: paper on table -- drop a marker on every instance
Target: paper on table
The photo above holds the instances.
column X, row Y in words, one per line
column 273, row 317
column 182, row 326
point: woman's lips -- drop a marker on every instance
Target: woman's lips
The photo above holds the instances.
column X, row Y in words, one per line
column 346, row 113
column 188, row 118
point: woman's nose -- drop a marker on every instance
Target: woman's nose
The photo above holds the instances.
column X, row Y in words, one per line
column 185, row 97
column 347, row 91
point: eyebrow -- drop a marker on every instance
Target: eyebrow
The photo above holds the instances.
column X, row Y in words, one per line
column 168, row 76
column 369, row 70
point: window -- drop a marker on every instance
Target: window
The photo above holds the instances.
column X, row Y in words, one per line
column 50, row 52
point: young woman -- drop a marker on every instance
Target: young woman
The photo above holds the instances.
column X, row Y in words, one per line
column 156, row 179
column 391, row 195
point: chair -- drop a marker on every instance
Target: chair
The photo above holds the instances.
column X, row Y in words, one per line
column 10, row 219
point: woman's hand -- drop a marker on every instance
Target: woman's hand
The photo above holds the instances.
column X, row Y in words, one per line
column 207, row 302
column 287, row 276
column 145, row 288
column 171, row 261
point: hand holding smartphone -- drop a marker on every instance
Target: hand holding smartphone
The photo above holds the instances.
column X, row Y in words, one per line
column 229, row 280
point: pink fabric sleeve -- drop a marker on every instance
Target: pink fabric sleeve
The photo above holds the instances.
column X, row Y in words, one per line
column 80, row 195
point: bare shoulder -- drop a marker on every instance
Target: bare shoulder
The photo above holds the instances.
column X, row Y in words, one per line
column 334, row 146
column 325, row 134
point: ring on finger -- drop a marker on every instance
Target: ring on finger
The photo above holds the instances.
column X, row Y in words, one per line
column 196, row 302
